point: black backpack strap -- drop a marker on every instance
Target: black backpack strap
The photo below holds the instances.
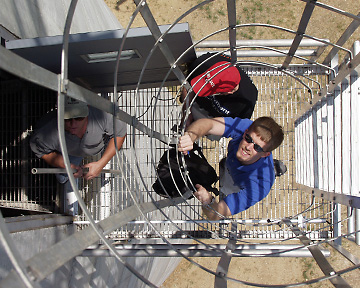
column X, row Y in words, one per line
column 196, row 147
column 213, row 190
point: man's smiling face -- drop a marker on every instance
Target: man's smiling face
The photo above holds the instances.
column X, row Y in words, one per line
column 246, row 152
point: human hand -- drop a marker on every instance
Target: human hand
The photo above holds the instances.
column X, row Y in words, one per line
column 185, row 143
column 79, row 172
column 94, row 170
column 203, row 195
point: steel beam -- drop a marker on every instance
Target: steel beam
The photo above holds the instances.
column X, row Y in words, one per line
column 263, row 222
column 52, row 258
column 63, row 170
column 25, row 223
column 262, row 42
column 344, row 71
column 324, row 265
column 155, row 31
column 300, row 32
column 348, row 200
column 333, row 9
column 224, row 262
column 26, row 70
column 231, row 8
column 342, row 40
column 265, row 53
column 201, row 250
column 352, row 258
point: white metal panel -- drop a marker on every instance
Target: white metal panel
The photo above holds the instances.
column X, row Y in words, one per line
column 346, row 136
column 319, row 148
column 310, row 167
column 317, row 155
column 355, row 128
column 330, row 143
column 324, row 140
column 40, row 18
column 338, row 142
column 298, row 163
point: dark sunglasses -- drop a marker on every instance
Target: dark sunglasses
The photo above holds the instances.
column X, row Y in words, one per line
column 76, row 119
column 257, row 147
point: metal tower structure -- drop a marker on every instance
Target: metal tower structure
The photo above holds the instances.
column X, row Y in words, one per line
column 312, row 92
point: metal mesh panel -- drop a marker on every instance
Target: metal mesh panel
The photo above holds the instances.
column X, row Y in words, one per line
column 109, row 193
column 280, row 96
column 21, row 106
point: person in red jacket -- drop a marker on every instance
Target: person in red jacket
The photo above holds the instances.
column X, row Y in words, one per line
column 221, row 89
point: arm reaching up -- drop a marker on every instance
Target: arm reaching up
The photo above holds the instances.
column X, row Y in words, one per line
column 199, row 128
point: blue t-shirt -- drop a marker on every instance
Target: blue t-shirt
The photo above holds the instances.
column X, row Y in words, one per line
column 253, row 182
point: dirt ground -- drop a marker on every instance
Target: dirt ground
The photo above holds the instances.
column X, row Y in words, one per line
column 254, row 270
column 210, row 18
column 213, row 16
column 263, row 271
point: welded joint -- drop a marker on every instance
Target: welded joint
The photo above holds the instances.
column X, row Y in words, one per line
column 134, row 121
column 64, row 86
column 31, row 274
column 300, row 34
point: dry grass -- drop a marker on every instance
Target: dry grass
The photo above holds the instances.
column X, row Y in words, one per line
column 213, row 17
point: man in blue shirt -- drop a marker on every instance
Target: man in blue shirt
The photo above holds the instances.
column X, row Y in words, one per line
column 249, row 169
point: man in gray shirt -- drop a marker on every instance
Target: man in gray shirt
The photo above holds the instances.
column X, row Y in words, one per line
column 88, row 131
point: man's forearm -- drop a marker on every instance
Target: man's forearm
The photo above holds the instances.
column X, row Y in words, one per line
column 214, row 210
column 206, row 126
column 222, row 210
column 199, row 128
column 54, row 159
column 210, row 213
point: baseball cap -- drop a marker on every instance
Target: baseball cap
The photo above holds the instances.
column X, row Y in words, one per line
column 223, row 82
column 75, row 108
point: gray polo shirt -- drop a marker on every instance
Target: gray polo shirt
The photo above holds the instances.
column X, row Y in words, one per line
column 98, row 132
